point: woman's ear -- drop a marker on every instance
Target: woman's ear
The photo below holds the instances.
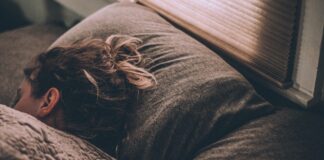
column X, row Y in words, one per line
column 49, row 102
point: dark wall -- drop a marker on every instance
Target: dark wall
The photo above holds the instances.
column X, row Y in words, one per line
column 11, row 15
column 17, row 13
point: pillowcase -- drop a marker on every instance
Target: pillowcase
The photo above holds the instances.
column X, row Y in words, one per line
column 24, row 137
column 199, row 97
column 18, row 46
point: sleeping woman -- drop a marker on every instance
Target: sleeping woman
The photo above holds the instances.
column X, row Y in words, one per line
column 86, row 88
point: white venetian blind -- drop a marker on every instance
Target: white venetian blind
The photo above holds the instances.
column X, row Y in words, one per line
column 259, row 34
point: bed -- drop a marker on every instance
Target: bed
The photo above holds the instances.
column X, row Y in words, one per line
column 201, row 109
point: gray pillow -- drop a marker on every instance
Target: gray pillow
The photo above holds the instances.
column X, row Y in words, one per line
column 199, row 97
column 17, row 48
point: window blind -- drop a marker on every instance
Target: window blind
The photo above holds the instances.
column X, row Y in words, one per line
column 259, row 34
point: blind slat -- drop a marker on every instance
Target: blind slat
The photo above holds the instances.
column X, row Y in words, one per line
column 249, row 34
column 236, row 20
column 257, row 33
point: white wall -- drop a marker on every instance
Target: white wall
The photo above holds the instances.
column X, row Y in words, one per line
column 310, row 36
column 84, row 7
column 35, row 10
column 308, row 53
column 43, row 11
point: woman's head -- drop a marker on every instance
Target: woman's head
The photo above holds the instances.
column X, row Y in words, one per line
column 88, row 84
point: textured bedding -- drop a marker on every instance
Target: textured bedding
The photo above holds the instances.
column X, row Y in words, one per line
column 288, row 134
column 201, row 108
column 24, row 137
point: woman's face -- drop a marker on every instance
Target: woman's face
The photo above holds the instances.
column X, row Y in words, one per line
column 24, row 101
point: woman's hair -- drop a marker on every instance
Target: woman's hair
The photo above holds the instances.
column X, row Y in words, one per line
column 98, row 80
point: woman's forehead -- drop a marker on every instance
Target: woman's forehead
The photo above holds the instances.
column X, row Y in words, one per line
column 31, row 72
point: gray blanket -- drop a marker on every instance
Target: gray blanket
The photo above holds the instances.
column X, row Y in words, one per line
column 24, row 137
